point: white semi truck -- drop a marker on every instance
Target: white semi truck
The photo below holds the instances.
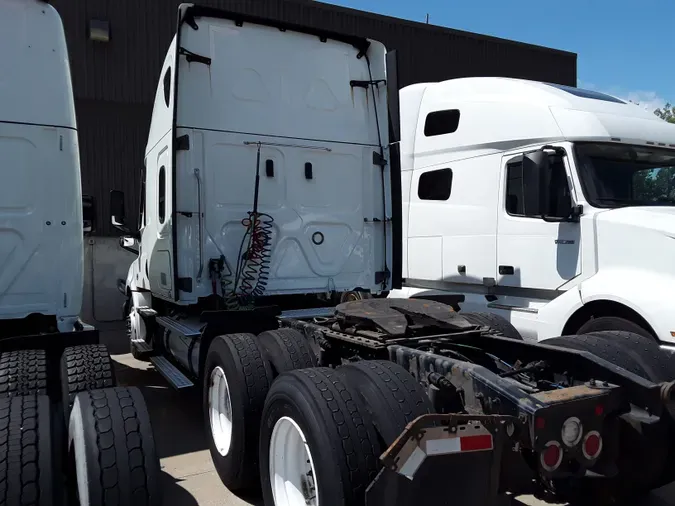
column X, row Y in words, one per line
column 272, row 187
column 551, row 206
column 68, row 434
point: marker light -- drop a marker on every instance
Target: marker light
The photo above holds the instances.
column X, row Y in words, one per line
column 571, row 431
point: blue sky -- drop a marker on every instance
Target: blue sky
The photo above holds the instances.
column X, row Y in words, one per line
column 623, row 48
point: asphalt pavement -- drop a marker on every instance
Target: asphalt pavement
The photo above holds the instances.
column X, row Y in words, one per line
column 189, row 476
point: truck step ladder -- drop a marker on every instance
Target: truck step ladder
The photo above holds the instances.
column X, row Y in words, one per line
column 171, row 373
column 312, row 312
column 178, row 327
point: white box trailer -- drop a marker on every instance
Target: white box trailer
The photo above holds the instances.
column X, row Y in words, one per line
column 67, row 432
column 548, row 205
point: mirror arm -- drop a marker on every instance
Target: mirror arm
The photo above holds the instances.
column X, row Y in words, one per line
column 573, row 217
column 127, row 231
column 130, row 250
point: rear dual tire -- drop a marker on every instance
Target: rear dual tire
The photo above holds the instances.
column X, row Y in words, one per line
column 111, row 450
column 323, row 431
column 23, row 372
column 237, row 378
column 26, row 477
column 85, row 367
column 316, row 421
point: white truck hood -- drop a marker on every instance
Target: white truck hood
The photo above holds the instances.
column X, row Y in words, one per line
column 637, row 237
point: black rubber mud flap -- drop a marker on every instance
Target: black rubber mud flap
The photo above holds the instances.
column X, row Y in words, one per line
column 434, row 448
column 112, row 449
column 26, row 477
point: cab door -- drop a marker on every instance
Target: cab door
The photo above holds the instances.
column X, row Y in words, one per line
column 160, row 265
column 535, row 255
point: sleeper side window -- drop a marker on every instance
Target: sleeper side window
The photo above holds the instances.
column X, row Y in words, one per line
column 441, row 122
column 161, row 195
column 435, row 185
column 167, row 86
column 141, row 207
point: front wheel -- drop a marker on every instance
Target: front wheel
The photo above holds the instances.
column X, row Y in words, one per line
column 136, row 330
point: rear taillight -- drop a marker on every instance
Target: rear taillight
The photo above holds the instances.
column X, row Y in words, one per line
column 551, row 456
column 592, row 445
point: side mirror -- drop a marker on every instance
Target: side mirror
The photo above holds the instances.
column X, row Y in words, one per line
column 129, row 244
column 537, row 179
column 88, row 214
column 117, row 212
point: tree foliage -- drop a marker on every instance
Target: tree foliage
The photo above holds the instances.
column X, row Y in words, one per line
column 659, row 183
column 667, row 113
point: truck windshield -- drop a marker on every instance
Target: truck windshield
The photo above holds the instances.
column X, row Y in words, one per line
column 617, row 175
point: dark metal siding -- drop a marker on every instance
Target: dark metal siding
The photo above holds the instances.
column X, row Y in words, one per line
column 115, row 82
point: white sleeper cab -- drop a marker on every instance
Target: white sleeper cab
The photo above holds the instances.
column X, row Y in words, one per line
column 549, row 205
column 58, row 393
column 267, row 181
column 41, row 239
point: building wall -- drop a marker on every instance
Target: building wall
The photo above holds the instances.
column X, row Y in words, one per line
column 115, row 81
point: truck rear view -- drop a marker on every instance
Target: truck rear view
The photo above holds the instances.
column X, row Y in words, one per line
column 266, row 168
column 68, row 433
column 40, row 195
column 268, row 185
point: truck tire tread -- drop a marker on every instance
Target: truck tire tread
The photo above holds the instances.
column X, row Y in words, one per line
column 344, row 442
column 495, row 322
column 86, row 367
column 249, row 377
column 23, row 372
column 389, row 394
column 644, row 350
column 117, row 443
column 606, row 349
column 25, row 451
column 287, row 350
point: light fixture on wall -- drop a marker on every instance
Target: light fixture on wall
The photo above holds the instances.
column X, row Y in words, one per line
column 99, row 30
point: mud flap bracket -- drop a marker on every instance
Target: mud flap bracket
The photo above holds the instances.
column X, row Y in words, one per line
column 457, row 457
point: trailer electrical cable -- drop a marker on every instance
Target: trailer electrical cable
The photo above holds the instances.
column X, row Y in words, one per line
column 253, row 264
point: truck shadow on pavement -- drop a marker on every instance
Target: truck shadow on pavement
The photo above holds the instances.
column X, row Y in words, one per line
column 177, row 419
column 174, row 494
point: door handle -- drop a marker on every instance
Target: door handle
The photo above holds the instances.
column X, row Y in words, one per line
column 506, row 270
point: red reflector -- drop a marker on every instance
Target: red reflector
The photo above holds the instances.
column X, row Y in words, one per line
column 592, row 445
column 540, row 423
column 599, row 410
column 551, row 456
column 473, row 443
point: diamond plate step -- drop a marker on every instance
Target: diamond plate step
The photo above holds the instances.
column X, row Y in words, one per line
column 175, row 378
